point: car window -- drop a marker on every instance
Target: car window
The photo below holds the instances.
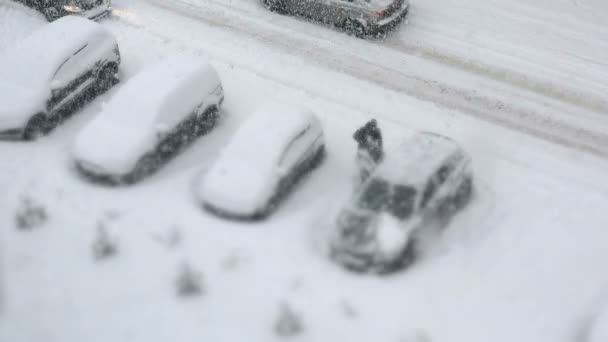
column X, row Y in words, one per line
column 295, row 149
column 402, row 203
column 376, row 195
column 429, row 191
column 69, row 69
column 443, row 173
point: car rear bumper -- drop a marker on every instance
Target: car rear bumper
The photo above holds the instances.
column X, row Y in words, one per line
column 386, row 24
column 101, row 10
column 11, row 134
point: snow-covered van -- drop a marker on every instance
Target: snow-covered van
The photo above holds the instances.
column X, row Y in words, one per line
column 427, row 177
column 154, row 116
column 52, row 73
column 55, row 9
column 268, row 155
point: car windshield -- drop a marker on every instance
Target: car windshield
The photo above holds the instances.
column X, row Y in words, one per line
column 375, row 195
column 402, row 203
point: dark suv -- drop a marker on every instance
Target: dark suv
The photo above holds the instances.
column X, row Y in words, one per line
column 429, row 176
column 54, row 9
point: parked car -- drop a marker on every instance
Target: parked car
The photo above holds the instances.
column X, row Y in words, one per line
column 360, row 17
column 55, row 9
column 52, row 73
column 267, row 157
column 426, row 178
column 152, row 118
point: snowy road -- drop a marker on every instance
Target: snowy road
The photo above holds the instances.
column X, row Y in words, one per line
column 550, row 108
column 522, row 263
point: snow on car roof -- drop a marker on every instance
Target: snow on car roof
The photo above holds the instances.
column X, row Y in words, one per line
column 262, row 138
column 244, row 177
column 34, row 60
column 177, row 83
column 154, row 100
column 417, row 158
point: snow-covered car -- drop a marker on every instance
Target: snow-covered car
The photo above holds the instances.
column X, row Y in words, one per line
column 267, row 157
column 52, row 73
column 54, row 9
column 360, row 17
column 427, row 177
column 153, row 117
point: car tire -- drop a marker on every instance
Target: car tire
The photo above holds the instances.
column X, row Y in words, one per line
column 354, row 27
column 36, row 127
column 146, row 165
column 106, row 78
column 276, row 6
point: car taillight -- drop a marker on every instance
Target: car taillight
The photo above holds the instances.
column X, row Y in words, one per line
column 381, row 13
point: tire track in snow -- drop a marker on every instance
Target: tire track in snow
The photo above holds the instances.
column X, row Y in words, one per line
column 493, row 109
column 505, row 75
column 560, row 92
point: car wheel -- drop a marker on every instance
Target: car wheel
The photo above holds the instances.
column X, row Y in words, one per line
column 276, row 6
column 106, row 78
column 146, row 165
column 354, row 27
column 51, row 13
column 36, row 127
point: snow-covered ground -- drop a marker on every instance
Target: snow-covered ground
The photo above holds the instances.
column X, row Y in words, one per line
column 522, row 263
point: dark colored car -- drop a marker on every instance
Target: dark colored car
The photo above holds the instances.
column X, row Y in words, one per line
column 428, row 177
column 55, row 9
column 52, row 73
column 360, row 17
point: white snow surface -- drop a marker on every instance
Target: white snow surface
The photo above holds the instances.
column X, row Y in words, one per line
column 248, row 171
column 19, row 104
column 33, row 61
column 27, row 68
column 421, row 155
column 523, row 262
column 151, row 103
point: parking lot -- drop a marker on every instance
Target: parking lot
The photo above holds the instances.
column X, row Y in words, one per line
column 505, row 269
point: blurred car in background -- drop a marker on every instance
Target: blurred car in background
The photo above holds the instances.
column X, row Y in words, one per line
column 55, row 9
column 266, row 158
column 362, row 18
column 53, row 72
column 427, row 177
column 152, row 118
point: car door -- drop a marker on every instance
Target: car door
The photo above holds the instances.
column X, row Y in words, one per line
column 73, row 76
column 301, row 148
column 306, row 8
column 436, row 189
column 338, row 11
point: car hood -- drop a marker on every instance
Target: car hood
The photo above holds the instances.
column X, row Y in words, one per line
column 18, row 104
column 238, row 188
column 105, row 147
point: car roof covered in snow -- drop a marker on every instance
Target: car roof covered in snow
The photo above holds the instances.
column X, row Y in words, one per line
column 34, row 60
column 162, row 91
column 245, row 175
column 414, row 160
column 153, row 101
